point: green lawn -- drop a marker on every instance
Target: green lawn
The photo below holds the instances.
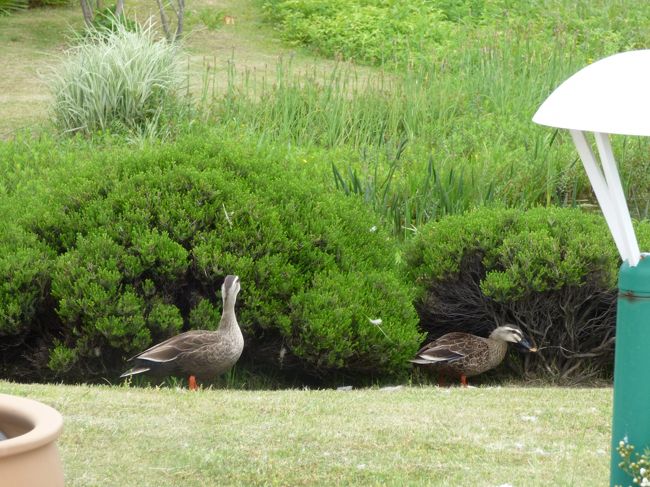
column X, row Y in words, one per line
column 487, row 436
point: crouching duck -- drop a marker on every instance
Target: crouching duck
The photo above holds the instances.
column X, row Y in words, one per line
column 464, row 355
column 201, row 354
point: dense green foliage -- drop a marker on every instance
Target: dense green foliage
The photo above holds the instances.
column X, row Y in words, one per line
column 118, row 80
column 551, row 271
column 461, row 117
column 115, row 248
column 413, row 31
column 375, row 32
column 106, row 21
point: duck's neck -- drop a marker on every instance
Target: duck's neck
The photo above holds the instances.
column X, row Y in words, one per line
column 228, row 318
column 498, row 349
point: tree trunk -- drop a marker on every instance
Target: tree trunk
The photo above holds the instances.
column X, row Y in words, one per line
column 180, row 14
column 88, row 12
column 164, row 21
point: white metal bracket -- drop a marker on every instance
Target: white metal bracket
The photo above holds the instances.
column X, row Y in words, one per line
column 609, row 192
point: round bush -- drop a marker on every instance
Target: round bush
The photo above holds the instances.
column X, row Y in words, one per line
column 550, row 270
column 134, row 245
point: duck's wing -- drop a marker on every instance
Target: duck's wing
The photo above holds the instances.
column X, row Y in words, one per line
column 171, row 348
column 449, row 348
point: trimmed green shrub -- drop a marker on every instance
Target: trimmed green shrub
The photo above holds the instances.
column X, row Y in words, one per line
column 134, row 245
column 25, row 264
column 116, row 80
column 550, row 270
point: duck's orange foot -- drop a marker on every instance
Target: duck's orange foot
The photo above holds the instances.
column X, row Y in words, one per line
column 192, row 383
column 463, row 381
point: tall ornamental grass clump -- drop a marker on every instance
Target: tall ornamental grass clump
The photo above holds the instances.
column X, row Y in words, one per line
column 118, row 80
column 550, row 270
column 111, row 250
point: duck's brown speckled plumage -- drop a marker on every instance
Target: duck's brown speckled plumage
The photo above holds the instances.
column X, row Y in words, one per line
column 463, row 354
column 201, row 353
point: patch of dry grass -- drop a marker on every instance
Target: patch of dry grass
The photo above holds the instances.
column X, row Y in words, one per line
column 487, row 436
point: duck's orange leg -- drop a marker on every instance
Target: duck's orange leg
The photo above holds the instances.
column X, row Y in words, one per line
column 463, row 381
column 192, row 383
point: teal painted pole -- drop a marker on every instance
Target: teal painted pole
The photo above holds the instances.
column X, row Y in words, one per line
column 631, row 416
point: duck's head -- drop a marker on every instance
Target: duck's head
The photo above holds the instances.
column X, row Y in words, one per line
column 513, row 334
column 229, row 290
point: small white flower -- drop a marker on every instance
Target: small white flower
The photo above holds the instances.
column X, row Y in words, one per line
column 642, row 471
column 373, row 229
column 531, row 419
column 361, row 466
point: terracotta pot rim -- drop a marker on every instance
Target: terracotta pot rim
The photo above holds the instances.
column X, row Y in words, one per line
column 46, row 422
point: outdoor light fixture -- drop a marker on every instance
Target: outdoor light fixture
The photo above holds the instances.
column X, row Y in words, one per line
column 612, row 96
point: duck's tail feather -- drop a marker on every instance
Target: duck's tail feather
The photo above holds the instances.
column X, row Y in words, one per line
column 135, row 371
column 430, row 359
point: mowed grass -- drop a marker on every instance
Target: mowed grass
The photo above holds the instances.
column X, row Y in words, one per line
column 486, row 436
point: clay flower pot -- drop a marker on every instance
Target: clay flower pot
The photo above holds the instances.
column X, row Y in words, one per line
column 29, row 457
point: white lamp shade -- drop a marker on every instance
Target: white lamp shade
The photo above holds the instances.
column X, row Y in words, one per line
column 610, row 96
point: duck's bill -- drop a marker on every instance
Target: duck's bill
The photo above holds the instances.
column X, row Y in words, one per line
column 526, row 346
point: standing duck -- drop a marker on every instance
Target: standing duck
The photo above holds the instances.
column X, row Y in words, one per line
column 466, row 355
column 201, row 354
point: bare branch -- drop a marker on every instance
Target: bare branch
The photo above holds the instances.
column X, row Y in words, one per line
column 180, row 14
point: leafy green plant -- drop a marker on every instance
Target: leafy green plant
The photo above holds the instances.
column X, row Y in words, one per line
column 373, row 32
column 550, row 270
column 210, row 17
column 105, row 21
column 136, row 242
column 411, row 32
column 119, row 81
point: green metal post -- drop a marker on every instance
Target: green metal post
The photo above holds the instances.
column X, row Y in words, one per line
column 631, row 417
